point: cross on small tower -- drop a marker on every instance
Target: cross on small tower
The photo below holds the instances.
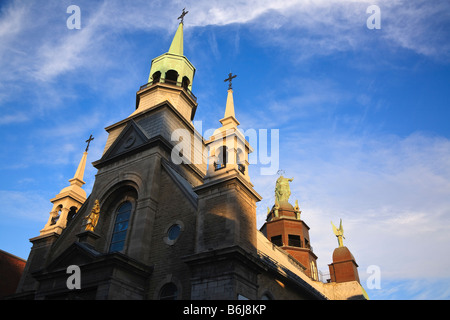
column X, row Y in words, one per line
column 182, row 15
column 230, row 78
column 88, row 141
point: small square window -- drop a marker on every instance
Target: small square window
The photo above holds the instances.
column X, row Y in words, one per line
column 294, row 241
column 276, row 240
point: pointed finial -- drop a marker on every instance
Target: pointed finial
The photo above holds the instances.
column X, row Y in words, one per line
column 182, row 15
column 230, row 78
column 88, row 141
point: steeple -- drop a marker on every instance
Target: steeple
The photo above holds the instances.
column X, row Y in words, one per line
column 177, row 43
column 228, row 147
column 171, row 76
column 173, row 65
column 67, row 202
column 77, row 180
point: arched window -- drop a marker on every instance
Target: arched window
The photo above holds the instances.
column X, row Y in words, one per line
column 156, row 76
column 240, row 159
column 313, row 270
column 56, row 215
column 120, row 227
column 185, row 83
column 222, row 158
column 71, row 214
column 172, row 76
column 168, row 292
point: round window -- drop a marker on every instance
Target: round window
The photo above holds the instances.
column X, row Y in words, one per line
column 174, row 232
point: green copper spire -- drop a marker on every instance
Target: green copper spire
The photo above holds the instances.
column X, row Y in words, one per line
column 177, row 43
column 173, row 67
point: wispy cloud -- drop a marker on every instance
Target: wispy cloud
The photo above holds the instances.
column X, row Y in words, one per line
column 24, row 205
column 422, row 288
column 47, row 49
column 318, row 27
column 14, row 118
column 391, row 192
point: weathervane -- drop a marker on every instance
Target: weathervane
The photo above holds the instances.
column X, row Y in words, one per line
column 88, row 141
column 182, row 15
column 230, row 78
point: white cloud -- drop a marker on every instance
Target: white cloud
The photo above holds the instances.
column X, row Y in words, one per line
column 36, row 46
column 391, row 192
column 310, row 28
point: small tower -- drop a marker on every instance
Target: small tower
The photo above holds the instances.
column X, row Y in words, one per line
column 344, row 267
column 226, row 234
column 228, row 148
column 285, row 228
column 67, row 202
column 65, row 206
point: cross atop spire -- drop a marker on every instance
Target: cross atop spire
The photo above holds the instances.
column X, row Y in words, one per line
column 182, row 15
column 230, row 78
column 88, row 141
column 229, row 120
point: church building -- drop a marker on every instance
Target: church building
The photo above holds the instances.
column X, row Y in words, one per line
column 167, row 220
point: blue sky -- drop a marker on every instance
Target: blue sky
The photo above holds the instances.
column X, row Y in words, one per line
column 363, row 115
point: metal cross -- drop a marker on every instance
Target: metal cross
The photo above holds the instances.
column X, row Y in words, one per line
column 88, row 141
column 182, row 15
column 230, row 78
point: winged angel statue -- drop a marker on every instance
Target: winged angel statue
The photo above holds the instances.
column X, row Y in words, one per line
column 339, row 233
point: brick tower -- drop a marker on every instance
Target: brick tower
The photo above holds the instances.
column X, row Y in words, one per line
column 285, row 228
column 344, row 267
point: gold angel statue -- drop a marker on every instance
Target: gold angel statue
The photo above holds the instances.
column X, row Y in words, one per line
column 339, row 233
column 92, row 218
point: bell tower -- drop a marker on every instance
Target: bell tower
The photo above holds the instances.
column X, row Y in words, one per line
column 228, row 148
column 66, row 205
column 285, row 228
column 226, row 234
column 67, row 202
column 227, row 181
column 170, row 79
